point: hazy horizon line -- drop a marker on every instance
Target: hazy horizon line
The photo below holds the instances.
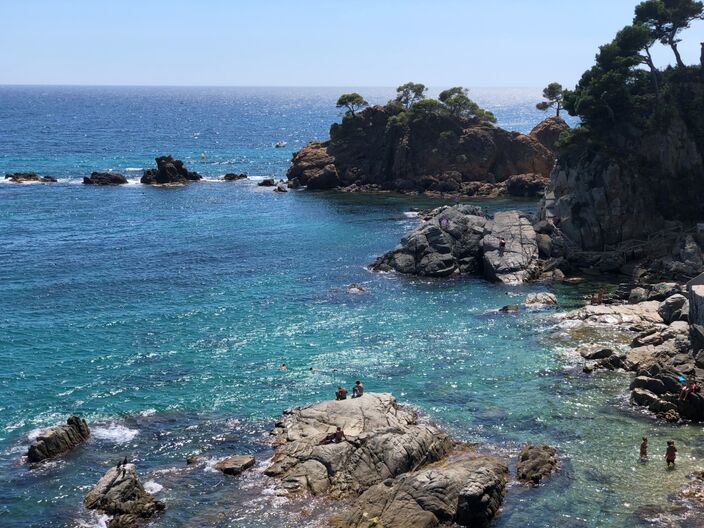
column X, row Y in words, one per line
column 69, row 85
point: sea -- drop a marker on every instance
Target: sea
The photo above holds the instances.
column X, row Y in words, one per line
column 162, row 315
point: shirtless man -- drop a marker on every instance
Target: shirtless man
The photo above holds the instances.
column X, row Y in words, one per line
column 358, row 389
column 334, row 438
column 341, row 393
column 644, row 448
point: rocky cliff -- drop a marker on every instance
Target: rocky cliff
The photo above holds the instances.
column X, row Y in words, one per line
column 424, row 153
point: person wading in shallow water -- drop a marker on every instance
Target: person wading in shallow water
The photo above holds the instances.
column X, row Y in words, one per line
column 670, row 454
column 644, row 448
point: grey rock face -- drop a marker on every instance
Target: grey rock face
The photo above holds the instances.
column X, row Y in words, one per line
column 57, row 440
column 466, row 489
column 517, row 261
column 382, row 441
column 461, row 240
column 450, row 242
column 120, row 494
column 674, row 308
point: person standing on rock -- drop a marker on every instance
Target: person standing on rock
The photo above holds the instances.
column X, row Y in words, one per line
column 341, row 393
column 502, row 245
column 358, row 389
column 670, row 454
column 644, row 448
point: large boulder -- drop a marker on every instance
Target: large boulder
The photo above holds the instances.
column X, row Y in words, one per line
column 58, row 440
column 120, row 494
column 548, row 131
column 382, row 441
column 541, row 299
column 450, row 242
column 516, row 260
column 535, row 462
column 104, row 178
column 236, row 464
column 674, row 308
column 466, row 490
column 21, row 177
column 645, row 313
column 169, row 171
column 526, row 185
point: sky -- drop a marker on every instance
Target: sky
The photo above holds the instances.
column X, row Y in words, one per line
column 310, row 42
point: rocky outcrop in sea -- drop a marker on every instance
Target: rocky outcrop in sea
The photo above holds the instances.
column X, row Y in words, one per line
column 58, row 440
column 431, row 154
column 463, row 240
column 393, row 470
column 169, row 171
column 105, row 178
column 21, row 177
column 120, row 494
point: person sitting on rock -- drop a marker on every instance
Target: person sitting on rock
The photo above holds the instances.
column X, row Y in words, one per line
column 670, row 454
column 358, row 389
column 334, row 438
column 689, row 386
column 341, row 393
column 644, row 448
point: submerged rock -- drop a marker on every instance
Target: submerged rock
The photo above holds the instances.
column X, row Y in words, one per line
column 120, row 494
column 382, row 440
column 466, row 489
column 20, row 177
column 535, row 463
column 234, row 465
column 104, row 178
column 542, row 298
column 169, row 171
column 58, row 440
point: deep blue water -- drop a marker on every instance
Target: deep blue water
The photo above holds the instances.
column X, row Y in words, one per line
column 162, row 314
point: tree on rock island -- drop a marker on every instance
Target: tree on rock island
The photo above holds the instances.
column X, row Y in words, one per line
column 410, row 93
column 460, row 105
column 553, row 95
column 352, row 101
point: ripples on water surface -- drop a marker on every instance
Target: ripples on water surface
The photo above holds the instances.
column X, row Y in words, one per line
column 161, row 315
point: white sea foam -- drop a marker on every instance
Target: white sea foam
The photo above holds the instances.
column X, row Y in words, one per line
column 152, row 487
column 118, row 434
column 411, row 214
column 133, row 169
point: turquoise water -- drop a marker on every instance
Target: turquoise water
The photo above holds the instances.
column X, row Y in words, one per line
column 162, row 315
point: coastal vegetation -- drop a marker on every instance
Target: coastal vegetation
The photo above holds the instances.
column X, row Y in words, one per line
column 553, row 95
column 624, row 94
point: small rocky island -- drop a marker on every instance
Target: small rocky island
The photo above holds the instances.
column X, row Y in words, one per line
column 413, row 144
column 169, row 171
column 394, row 470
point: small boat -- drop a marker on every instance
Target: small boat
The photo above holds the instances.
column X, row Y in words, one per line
column 280, row 144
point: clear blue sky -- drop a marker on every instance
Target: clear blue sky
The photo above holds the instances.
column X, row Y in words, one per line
column 309, row 42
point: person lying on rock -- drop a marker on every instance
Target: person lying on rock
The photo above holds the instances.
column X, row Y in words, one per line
column 334, row 438
column 358, row 389
column 670, row 454
column 689, row 386
column 341, row 393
